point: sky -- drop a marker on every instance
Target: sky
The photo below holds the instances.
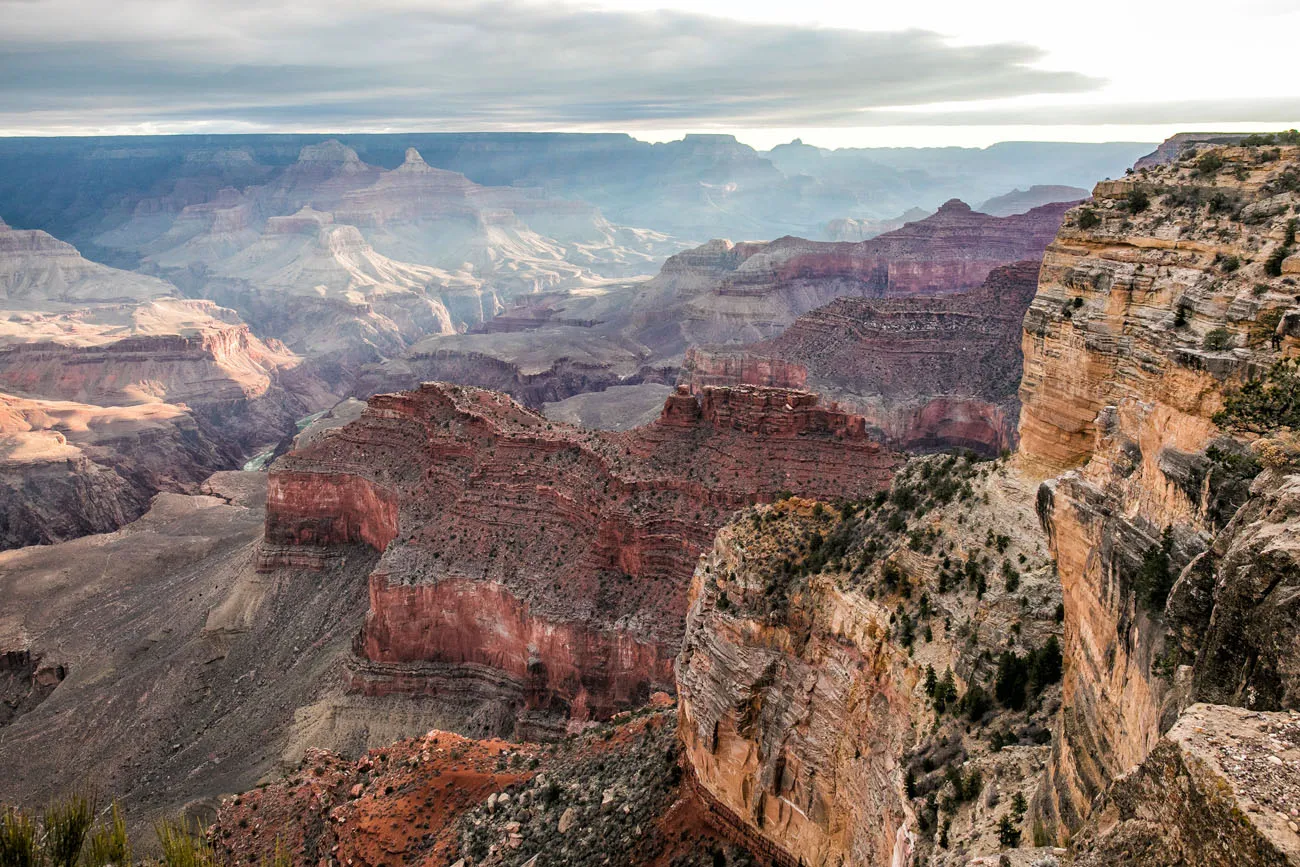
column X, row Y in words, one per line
column 836, row 73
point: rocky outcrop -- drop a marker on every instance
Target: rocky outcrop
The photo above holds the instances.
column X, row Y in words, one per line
column 580, row 543
column 611, row 795
column 1221, row 788
column 929, row 372
column 802, row 678
column 1154, row 301
column 68, row 469
column 1234, row 608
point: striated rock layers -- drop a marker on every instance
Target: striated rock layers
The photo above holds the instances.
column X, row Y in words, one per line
column 68, row 469
column 752, row 291
column 1156, row 300
column 530, row 567
column 929, row 372
column 115, row 389
column 805, row 680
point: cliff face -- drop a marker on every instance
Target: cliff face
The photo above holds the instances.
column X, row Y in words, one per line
column 765, row 287
column 930, row 372
column 580, row 543
column 1155, row 299
column 68, row 469
column 1219, row 789
column 806, row 678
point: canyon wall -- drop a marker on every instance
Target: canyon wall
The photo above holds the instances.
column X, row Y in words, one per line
column 750, row 292
column 930, row 372
column 1156, row 300
column 806, row 679
column 535, row 570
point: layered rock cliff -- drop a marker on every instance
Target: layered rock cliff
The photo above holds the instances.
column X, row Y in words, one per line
column 580, row 543
column 116, row 389
column 1158, row 299
column 838, row 674
column 929, row 372
column 68, row 469
column 753, row 291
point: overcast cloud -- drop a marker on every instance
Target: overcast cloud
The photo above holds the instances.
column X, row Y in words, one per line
column 200, row 65
column 474, row 65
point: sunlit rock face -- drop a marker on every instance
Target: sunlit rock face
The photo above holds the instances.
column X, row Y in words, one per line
column 580, row 544
column 1154, row 300
column 115, row 389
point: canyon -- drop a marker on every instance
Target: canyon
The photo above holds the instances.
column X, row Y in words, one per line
column 758, row 627
column 553, row 346
column 579, row 543
column 114, row 388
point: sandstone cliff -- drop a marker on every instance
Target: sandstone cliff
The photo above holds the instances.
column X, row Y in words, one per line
column 68, row 469
column 807, row 678
column 1154, row 300
column 580, row 543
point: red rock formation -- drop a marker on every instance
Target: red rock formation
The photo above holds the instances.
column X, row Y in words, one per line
column 931, row 372
column 552, row 561
column 749, row 292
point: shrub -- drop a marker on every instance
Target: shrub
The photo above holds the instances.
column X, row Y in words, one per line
column 1218, row 340
column 1012, row 677
column 1008, row 833
column 1263, row 405
column 1137, row 201
column 108, row 843
column 1156, row 575
column 1209, row 163
column 66, row 825
column 18, row 840
column 1088, row 218
column 1230, row 264
column 1273, row 264
column 1046, row 665
column 183, row 845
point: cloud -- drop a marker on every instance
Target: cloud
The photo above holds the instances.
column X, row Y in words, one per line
column 477, row 65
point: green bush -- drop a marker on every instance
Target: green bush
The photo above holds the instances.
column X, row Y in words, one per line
column 1156, row 575
column 18, row 840
column 1264, row 405
column 108, row 844
column 1209, row 163
column 1008, row 833
column 1273, row 264
column 1137, row 201
column 183, row 845
column 1088, row 218
column 1218, row 340
column 66, row 824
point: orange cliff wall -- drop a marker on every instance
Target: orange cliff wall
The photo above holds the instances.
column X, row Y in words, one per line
column 546, row 564
column 1118, row 395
